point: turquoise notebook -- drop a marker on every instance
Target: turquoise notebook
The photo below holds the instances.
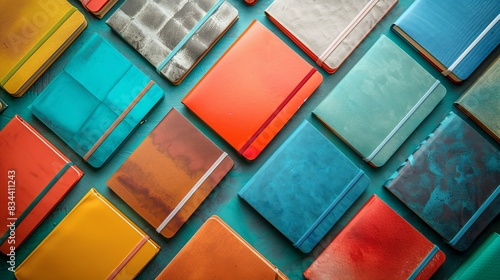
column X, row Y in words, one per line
column 305, row 187
column 96, row 102
column 380, row 102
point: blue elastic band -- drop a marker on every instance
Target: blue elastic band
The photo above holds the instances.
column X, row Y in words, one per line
column 424, row 263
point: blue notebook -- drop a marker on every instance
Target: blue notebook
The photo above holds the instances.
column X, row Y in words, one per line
column 454, row 35
column 96, row 102
column 305, row 187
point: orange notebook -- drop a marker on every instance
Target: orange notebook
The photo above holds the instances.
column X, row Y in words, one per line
column 216, row 251
column 35, row 175
column 253, row 90
column 98, row 7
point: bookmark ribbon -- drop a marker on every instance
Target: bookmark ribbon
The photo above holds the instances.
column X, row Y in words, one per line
column 424, row 263
column 129, row 256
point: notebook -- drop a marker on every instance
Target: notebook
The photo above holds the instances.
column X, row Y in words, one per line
column 481, row 102
column 248, row 105
column 305, row 187
column 97, row 101
column 98, row 7
column 483, row 263
column 33, row 35
column 170, row 174
column 452, row 181
column 216, row 251
column 36, row 177
column 251, row 2
column 328, row 30
column 377, row 243
column 453, row 35
column 94, row 241
column 380, row 102
column 173, row 35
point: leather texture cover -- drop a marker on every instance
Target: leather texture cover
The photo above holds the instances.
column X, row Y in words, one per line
column 328, row 29
column 481, row 102
column 377, row 244
column 305, row 187
column 173, row 35
column 443, row 31
column 33, row 34
column 36, row 177
column 249, row 104
column 98, row 7
column 452, row 181
column 96, row 101
column 380, row 102
column 170, row 174
column 216, row 251
column 94, row 241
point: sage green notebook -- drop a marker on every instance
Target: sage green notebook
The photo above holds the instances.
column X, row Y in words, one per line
column 380, row 102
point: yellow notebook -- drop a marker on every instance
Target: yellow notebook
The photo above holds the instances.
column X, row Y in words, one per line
column 94, row 241
column 33, row 33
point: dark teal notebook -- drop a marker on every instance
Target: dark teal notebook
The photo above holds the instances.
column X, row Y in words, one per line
column 305, row 187
column 96, row 102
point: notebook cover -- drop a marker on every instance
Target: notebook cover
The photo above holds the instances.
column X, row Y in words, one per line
column 481, row 102
column 170, row 174
column 181, row 33
column 328, row 30
column 98, row 92
column 452, row 182
column 36, row 178
column 94, row 241
column 483, row 263
column 98, row 7
column 377, row 243
column 33, row 34
column 216, row 251
column 380, row 102
column 249, row 104
column 443, row 31
column 305, row 187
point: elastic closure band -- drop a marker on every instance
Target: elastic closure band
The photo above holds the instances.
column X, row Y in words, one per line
column 348, row 29
column 329, row 209
column 400, row 124
column 471, row 46
column 189, row 35
column 424, row 263
column 117, row 121
column 191, row 192
column 129, row 256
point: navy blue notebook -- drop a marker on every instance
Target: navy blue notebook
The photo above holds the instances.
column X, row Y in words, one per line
column 305, row 187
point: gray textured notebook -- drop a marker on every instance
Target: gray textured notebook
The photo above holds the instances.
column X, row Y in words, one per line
column 173, row 35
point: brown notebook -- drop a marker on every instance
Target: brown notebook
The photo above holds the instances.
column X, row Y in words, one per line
column 216, row 251
column 170, row 174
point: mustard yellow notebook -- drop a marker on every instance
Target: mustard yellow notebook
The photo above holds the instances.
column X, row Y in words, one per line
column 94, row 241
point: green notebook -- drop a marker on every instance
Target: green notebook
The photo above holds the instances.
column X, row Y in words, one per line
column 380, row 102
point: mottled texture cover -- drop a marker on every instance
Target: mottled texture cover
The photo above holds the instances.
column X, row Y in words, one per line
column 155, row 27
column 377, row 244
column 316, row 25
column 305, row 187
column 452, row 181
column 380, row 102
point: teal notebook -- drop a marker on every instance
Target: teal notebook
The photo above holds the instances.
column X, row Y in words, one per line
column 96, row 102
column 380, row 102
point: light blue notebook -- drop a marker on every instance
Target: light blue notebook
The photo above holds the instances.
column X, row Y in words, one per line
column 305, row 187
column 96, row 102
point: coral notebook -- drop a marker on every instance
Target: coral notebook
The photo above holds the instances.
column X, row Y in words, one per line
column 380, row 102
column 36, row 177
column 33, row 34
column 94, row 241
column 454, row 35
column 216, row 251
column 173, row 35
column 305, row 187
column 377, row 243
column 98, row 7
column 328, row 30
column 253, row 90
column 96, row 102
column 452, row 181
column 481, row 102
column 170, row 174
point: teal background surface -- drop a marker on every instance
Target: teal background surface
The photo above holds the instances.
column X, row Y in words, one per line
column 223, row 201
